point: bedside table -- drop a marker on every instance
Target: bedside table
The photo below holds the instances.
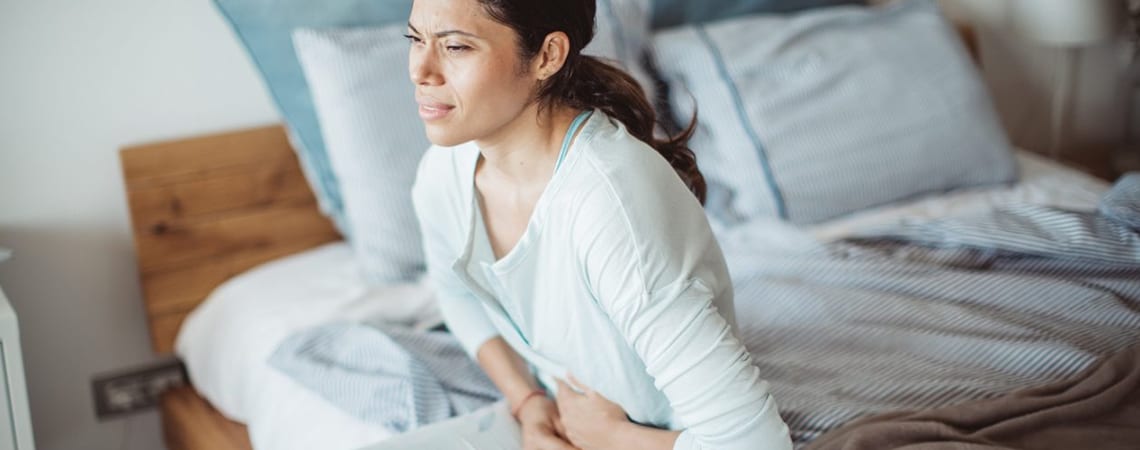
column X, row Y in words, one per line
column 15, row 417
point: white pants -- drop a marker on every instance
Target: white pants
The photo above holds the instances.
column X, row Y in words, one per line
column 489, row 428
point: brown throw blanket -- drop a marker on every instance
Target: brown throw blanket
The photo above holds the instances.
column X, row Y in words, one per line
column 1096, row 409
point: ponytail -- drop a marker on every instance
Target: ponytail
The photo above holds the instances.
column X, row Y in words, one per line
column 592, row 83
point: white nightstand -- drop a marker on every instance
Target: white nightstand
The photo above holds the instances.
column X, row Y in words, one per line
column 15, row 418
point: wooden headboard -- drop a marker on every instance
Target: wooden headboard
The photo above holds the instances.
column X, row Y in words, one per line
column 207, row 208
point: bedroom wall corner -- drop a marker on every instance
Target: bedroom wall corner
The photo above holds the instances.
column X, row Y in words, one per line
column 80, row 81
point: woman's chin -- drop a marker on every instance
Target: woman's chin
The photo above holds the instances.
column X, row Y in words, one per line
column 443, row 138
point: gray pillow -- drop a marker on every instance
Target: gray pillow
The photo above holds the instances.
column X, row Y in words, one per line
column 815, row 115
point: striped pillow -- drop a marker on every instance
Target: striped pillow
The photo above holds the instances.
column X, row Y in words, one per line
column 820, row 114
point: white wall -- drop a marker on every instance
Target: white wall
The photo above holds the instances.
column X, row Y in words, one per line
column 78, row 80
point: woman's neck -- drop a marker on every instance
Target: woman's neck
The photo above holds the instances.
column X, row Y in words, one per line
column 524, row 150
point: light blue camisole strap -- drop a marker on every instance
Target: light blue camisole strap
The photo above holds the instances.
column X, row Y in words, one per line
column 574, row 126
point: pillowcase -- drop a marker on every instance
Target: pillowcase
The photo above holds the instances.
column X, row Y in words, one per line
column 827, row 112
column 373, row 138
column 668, row 13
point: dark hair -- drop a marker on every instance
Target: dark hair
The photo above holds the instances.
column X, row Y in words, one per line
column 586, row 82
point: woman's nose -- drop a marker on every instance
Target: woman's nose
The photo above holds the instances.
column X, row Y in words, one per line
column 422, row 67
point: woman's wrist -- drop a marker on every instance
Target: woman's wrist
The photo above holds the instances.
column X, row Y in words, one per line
column 518, row 406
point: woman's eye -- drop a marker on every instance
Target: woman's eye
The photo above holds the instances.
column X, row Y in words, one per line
column 413, row 39
column 457, row 48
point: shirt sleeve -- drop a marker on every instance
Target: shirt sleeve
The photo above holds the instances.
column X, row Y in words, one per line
column 661, row 286
column 442, row 237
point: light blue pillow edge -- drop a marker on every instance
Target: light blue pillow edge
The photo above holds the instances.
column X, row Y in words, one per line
column 312, row 156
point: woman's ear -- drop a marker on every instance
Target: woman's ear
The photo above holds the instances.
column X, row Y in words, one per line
column 552, row 56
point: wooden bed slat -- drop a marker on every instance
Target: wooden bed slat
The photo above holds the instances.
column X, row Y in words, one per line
column 190, row 423
column 196, row 155
column 205, row 209
column 175, row 244
column 271, row 182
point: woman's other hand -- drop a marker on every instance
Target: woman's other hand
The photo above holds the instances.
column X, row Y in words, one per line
column 542, row 426
column 589, row 419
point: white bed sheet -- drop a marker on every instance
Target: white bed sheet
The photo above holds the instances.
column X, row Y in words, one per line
column 227, row 340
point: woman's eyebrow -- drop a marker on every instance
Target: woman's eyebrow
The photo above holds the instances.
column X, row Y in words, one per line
column 445, row 33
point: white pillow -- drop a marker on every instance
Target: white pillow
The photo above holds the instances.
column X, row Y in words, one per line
column 823, row 113
column 366, row 107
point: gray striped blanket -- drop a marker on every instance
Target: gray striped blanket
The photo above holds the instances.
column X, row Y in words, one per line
column 983, row 306
column 918, row 316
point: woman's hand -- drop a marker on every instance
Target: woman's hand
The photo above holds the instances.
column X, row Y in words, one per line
column 542, row 426
column 590, row 420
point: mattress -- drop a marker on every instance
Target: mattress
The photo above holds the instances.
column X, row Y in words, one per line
column 227, row 340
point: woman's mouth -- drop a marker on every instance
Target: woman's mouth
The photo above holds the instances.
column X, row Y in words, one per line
column 434, row 111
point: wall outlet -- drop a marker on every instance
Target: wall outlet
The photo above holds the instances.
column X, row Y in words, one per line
column 136, row 389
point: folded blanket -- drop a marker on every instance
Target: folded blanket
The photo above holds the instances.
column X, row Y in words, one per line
column 1098, row 408
column 389, row 375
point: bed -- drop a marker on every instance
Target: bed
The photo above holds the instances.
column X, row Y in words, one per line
column 236, row 253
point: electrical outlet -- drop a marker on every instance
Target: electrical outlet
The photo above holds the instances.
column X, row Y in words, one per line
column 131, row 390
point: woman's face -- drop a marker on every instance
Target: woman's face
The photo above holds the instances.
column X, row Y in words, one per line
column 469, row 80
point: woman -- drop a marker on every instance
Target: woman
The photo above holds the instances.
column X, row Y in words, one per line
column 568, row 249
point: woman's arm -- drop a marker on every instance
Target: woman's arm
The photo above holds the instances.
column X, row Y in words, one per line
column 537, row 414
column 507, row 370
column 656, row 270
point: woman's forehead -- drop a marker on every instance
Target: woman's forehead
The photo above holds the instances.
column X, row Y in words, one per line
column 445, row 16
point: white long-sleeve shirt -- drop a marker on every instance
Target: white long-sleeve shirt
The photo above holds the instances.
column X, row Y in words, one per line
column 617, row 279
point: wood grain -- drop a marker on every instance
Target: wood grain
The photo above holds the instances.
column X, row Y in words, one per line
column 190, row 423
column 207, row 208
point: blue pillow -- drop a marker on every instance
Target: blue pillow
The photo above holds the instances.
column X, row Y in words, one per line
column 265, row 28
column 668, row 13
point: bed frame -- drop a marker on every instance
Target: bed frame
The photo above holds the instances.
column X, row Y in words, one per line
column 204, row 209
